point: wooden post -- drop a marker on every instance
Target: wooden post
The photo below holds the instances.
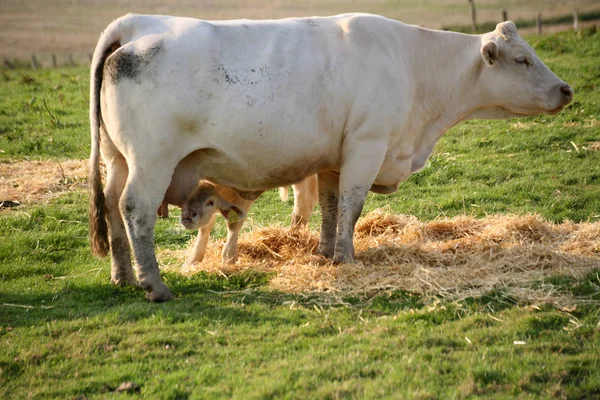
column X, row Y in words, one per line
column 54, row 60
column 504, row 15
column 539, row 23
column 576, row 26
column 90, row 56
column 8, row 63
column 473, row 16
column 71, row 62
column 34, row 63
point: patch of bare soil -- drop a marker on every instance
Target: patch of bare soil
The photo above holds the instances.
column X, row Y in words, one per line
column 29, row 182
column 455, row 258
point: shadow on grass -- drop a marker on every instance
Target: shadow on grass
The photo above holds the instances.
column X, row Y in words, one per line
column 202, row 296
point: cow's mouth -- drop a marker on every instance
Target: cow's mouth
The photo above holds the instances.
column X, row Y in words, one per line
column 187, row 223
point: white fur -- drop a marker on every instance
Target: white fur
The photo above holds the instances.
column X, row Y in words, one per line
column 253, row 105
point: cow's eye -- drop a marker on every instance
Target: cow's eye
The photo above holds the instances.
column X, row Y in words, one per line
column 210, row 203
column 522, row 60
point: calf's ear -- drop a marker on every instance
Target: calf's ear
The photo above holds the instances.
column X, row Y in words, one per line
column 489, row 52
column 231, row 212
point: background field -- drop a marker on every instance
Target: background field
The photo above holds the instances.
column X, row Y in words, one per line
column 72, row 27
column 65, row 332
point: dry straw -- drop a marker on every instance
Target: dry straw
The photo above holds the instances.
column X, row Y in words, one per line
column 454, row 258
column 40, row 181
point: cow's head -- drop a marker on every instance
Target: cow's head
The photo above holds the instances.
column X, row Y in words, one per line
column 203, row 204
column 516, row 81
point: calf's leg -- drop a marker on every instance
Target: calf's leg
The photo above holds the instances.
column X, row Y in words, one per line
column 199, row 250
column 305, row 198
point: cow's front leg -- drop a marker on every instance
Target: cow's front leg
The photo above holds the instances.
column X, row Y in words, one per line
column 358, row 172
column 199, row 250
column 143, row 194
column 328, row 200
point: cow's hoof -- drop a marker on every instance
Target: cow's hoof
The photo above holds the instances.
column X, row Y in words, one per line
column 159, row 295
column 340, row 258
column 326, row 251
column 123, row 281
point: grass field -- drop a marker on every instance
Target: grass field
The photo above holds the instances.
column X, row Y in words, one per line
column 65, row 332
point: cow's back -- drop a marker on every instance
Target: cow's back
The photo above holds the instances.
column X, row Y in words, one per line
column 272, row 100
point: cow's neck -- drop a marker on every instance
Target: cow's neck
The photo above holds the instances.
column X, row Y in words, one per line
column 446, row 90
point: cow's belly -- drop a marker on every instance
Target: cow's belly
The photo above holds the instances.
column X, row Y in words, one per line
column 394, row 170
column 255, row 168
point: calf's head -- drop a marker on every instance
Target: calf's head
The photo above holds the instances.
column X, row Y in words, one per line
column 516, row 82
column 203, row 204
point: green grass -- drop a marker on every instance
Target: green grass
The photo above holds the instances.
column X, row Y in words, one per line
column 80, row 337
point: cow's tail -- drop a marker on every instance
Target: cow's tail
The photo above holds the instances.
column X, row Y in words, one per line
column 109, row 41
column 284, row 193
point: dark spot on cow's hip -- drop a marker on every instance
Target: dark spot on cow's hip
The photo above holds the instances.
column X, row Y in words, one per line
column 128, row 65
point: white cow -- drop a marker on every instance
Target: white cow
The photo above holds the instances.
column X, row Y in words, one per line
column 359, row 99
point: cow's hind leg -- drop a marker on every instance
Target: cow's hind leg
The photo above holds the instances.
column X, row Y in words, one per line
column 143, row 194
column 328, row 200
column 121, row 272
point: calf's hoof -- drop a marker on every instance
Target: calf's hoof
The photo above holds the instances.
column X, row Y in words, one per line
column 298, row 221
column 229, row 260
column 191, row 261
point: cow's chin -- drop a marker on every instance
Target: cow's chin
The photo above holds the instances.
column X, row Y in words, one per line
column 554, row 111
column 517, row 112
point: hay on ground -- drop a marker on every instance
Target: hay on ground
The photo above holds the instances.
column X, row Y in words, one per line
column 40, row 181
column 455, row 258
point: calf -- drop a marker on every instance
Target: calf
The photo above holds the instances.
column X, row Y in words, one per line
column 208, row 200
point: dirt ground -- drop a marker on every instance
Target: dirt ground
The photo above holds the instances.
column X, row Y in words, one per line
column 72, row 27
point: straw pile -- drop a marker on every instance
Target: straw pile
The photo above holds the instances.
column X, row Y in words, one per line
column 40, row 181
column 454, row 258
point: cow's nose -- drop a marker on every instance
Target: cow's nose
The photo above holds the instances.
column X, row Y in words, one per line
column 566, row 91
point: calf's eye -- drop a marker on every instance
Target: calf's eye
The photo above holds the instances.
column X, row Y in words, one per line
column 522, row 60
column 210, row 203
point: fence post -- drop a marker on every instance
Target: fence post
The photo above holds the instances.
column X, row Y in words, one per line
column 473, row 16
column 71, row 62
column 34, row 62
column 504, row 15
column 54, row 60
column 576, row 25
column 539, row 23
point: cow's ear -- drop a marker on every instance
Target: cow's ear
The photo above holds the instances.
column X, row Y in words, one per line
column 231, row 212
column 489, row 52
